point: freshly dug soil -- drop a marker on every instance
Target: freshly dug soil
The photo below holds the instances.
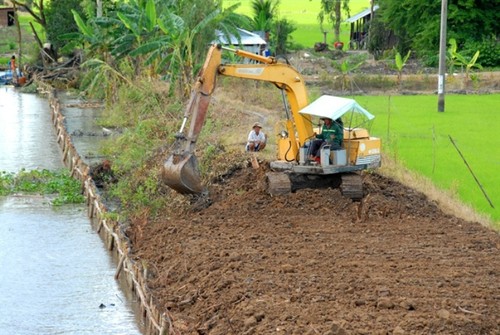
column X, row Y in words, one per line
column 314, row 262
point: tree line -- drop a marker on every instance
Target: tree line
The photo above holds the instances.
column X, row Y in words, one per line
column 124, row 40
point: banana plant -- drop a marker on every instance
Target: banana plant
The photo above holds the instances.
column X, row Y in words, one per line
column 166, row 38
column 400, row 63
column 345, row 68
column 455, row 58
column 176, row 49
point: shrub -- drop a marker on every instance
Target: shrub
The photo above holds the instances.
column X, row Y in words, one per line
column 489, row 48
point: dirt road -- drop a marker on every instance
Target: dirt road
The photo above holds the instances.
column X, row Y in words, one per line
column 314, row 262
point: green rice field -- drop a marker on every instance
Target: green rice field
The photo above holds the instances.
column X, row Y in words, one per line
column 304, row 13
column 416, row 135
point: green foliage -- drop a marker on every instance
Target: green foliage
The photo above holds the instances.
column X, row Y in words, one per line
column 264, row 12
column 148, row 39
column 101, row 80
column 346, row 67
column 380, row 38
column 416, row 23
column 472, row 20
column 60, row 20
column 68, row 190
column 278, row 31
column 209, row 153
column 331, row 11
column 304, row 15
column 90, row 7
column 150, row 118
column 399, row 64
column 281, row 36
column 489, row 48
column 139, row 192
column 456, row 58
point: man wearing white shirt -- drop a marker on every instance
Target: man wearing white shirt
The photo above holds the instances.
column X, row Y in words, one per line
column 256, row 138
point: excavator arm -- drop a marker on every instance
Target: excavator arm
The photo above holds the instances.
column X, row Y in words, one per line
column 180, row 170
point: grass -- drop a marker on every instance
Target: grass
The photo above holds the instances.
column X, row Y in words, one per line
column 304, row 14
column 415, row 135
column 68, row 190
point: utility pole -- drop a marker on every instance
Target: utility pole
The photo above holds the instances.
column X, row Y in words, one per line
column 99, row 8
column 442, row 56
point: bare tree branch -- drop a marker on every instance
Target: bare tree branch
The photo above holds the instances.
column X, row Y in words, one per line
column 39, row 18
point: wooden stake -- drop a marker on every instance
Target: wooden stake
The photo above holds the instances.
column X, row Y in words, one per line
column 255, row 162
column 120, row 265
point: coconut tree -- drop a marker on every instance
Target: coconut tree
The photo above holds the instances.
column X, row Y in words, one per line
column 264, row 12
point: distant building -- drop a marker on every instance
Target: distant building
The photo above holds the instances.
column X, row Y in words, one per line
column 248, row 41
column 359, row 28
column 6, row 16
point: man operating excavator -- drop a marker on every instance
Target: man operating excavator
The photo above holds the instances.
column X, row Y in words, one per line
column 332, row 134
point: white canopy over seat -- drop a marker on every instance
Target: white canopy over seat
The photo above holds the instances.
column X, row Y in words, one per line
column 334, row 107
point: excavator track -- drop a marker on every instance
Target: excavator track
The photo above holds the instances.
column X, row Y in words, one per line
column 278, row 183
column 352, row 186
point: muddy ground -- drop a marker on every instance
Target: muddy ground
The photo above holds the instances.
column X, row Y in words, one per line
column 314, row 262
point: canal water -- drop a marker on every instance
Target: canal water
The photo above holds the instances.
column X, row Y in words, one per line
column 56, row 276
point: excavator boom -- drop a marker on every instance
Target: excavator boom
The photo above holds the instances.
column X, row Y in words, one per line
column 180, row 170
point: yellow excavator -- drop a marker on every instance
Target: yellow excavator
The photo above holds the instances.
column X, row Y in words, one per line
column 292, row 169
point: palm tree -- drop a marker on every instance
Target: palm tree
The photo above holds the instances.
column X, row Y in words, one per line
column 264, row 12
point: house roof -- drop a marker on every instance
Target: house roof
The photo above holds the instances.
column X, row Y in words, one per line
column 247, row 38
column 362, row 14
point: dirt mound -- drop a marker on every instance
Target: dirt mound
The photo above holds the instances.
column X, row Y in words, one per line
column 314, row 262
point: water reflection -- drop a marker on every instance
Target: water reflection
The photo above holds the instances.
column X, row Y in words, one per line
column 81, row 123
column 27, row 139
column 55, row 273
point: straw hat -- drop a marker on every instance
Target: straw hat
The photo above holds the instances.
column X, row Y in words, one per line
column 257, row 124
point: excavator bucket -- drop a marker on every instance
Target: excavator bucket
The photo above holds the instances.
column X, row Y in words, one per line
column 181, row 173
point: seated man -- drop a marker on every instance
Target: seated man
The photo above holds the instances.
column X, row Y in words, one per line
column 256, row 138
column 332, row 133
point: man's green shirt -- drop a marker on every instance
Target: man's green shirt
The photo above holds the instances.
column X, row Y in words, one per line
column 333, row 129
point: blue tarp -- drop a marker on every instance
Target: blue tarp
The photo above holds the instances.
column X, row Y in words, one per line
column 6, row 77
